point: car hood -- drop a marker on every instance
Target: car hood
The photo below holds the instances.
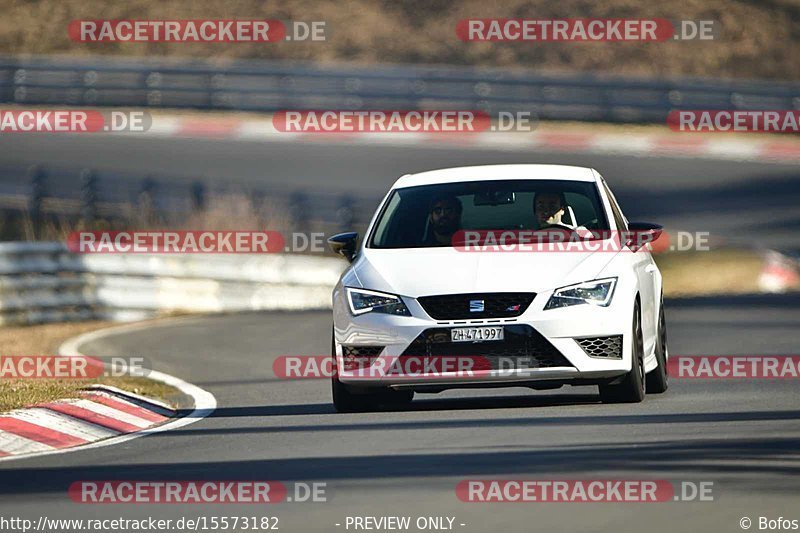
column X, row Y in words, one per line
column 426, row 271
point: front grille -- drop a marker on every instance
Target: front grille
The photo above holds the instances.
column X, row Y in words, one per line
column 361, row 351
column 522, row 347
column 477, row 305
column 603, row 347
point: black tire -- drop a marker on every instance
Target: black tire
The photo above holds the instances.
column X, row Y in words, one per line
column 632, row 387
column 398, row 398
column 347, row 401
column 658, row 379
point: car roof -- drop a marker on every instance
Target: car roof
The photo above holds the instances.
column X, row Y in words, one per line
column 497, row 172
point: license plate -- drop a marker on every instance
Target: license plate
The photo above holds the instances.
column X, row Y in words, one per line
column 492, row 333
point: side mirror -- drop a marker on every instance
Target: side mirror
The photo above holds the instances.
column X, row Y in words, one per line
column 641, row 233
column 344, row 244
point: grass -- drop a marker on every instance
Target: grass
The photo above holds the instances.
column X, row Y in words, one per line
column 756, row 39
column 241, row 210
column 44, row 339
column 711, row 272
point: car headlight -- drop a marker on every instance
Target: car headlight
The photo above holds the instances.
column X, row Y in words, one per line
column 364, row 301
column 597, row 292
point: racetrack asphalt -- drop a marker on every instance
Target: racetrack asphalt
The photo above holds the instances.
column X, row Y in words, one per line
column 739, row 434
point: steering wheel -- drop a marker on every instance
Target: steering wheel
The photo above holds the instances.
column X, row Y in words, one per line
column 558, row 225
column 592, row 224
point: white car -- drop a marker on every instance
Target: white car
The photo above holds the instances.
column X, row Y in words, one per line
column 430, row 288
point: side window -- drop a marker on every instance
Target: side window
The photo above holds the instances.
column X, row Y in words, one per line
column 381, row 231
column 618, row 218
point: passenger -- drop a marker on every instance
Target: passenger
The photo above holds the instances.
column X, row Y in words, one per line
column 444, row 219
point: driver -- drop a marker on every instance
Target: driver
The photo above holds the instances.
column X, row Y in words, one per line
column 444, row 219
column 548, row 207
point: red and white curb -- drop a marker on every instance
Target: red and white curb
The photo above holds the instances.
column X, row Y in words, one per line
column 94, row 415
column 102, row 416
column 713, row 146
column 780, row 273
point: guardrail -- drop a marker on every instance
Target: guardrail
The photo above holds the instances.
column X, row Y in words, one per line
column 46, row 196
column 271, row 86
column 44, row 282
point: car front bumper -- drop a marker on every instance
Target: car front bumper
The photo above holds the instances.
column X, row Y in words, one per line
column 397, row 338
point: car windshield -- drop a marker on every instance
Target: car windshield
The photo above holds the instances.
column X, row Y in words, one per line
column 430, row 215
